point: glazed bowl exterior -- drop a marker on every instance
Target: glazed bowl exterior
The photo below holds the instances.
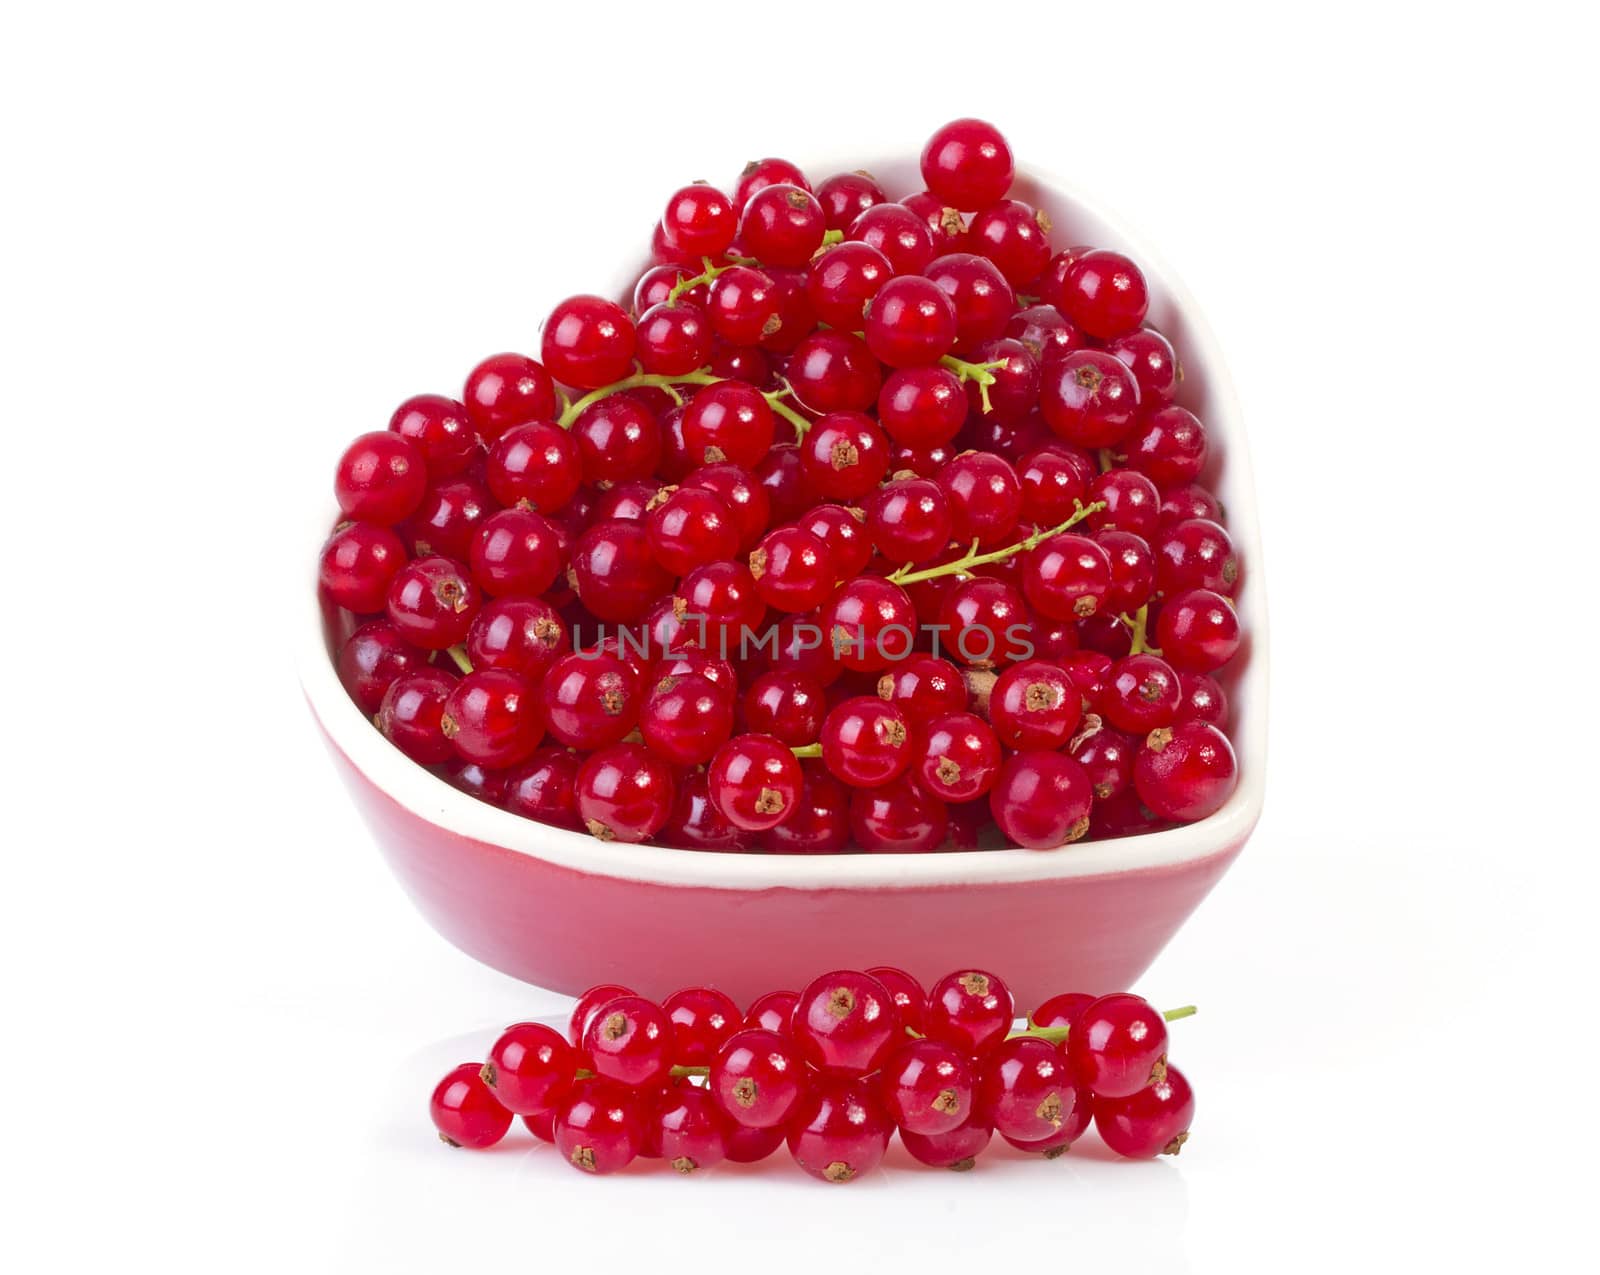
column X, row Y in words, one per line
column 564, row 911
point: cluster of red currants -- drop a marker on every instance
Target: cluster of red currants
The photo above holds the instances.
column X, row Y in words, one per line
column 833, row 1071
column 976, row 597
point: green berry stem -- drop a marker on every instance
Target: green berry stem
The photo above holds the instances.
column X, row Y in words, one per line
column 1138, row 626
column 707, row 275
column 806, row 750
column 975, row 559
column 982, row 373
column 1058, row 1034
column 641, row 380
column 459, row 655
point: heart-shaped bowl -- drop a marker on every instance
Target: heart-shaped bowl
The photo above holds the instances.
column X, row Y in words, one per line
column 564, row 911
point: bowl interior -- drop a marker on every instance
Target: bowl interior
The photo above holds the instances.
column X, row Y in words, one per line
column 1205, row 390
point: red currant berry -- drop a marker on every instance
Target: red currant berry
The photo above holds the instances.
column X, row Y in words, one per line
column 1153, row 362
column 1133, row 572
column 380, row 478
column 689, row 527
column 1198, row 631
column 465, row 1111
column 833, row 371
column 372, row 658
column 1044, row 332
column 1088, row 398
column 911, row 322
column 793, row 570
column 1052, row 281
column 1189, row 501
column 1105, row 295
column 492, row 719
column 844, row 456
column 1025, row 1089
column 590, row 699
column 624, row 793
column 844, row 531
column 782, row 225
column 1057, row 1144
column 700, row 221
column 685, row 719
column 945, row 225
column 898, row 818
column 1013, row 235
column 845, row 196
column 506, row 390
column 521, row 635
column 1014, row 392
column 744, row 305
column 432, row 602
column 1066, row 577
column 927, row 1087
column 898, row 233
column 846, row 1021
column 618, row 440
column 1108, row 755
column 960, row 757
column 968, row 164
column 728, row 421
column 482, row 784
column 1196, row 554
column 695, row 824
column 1155, row 1121
column 541, row 1125
column 1118, row 1046
column 690, row 1130
column 1042, row 800
column 1061, row 1010
column 690, row 661
column 758, row 174
column 771, row 1011
column 795, row 318
column 1141, row 694
column 983, row 299
column 1131, row 504
column 1034, row 705
column 531, row 1068
column 987, row 622
column 985, row 499
column 537, row 463
column 1168, row 447
column 629, row 1040
column 758, row 1078
column 1185, row 772
column 909, row 520
column 629, row 502
column 588, row 1004
column 544, row 788
column 958, row 1149
column 820, row 823
column 359, row 564
column 971, row 1009
column 839, row 1130
column 516, row 551
column 615, row 571
column 783, row 477
column 749, row 1146
column 922, row 406
column 909, row 998
column 1203, row 699
column 441, row 431
column 747, row 501
column 869, row 623
column 448, row 519
column 702, row 1020
column 588, row 342
column 600, row 1126
column 866, row 741
column 924, row 688
column 740, row 363
column 720, row 599
column 656, row 284
column 754, row 781
column 410, row 714
column 843, row 279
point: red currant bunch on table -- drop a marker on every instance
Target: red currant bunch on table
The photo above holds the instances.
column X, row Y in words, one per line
column 832, row 1072
column 868, row 521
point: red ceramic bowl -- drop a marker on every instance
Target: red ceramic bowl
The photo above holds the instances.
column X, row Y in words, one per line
column 564, row 911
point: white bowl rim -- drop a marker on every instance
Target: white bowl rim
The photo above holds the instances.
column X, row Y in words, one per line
column 432, row 799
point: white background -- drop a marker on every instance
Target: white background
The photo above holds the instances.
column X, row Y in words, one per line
column 235, row 236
